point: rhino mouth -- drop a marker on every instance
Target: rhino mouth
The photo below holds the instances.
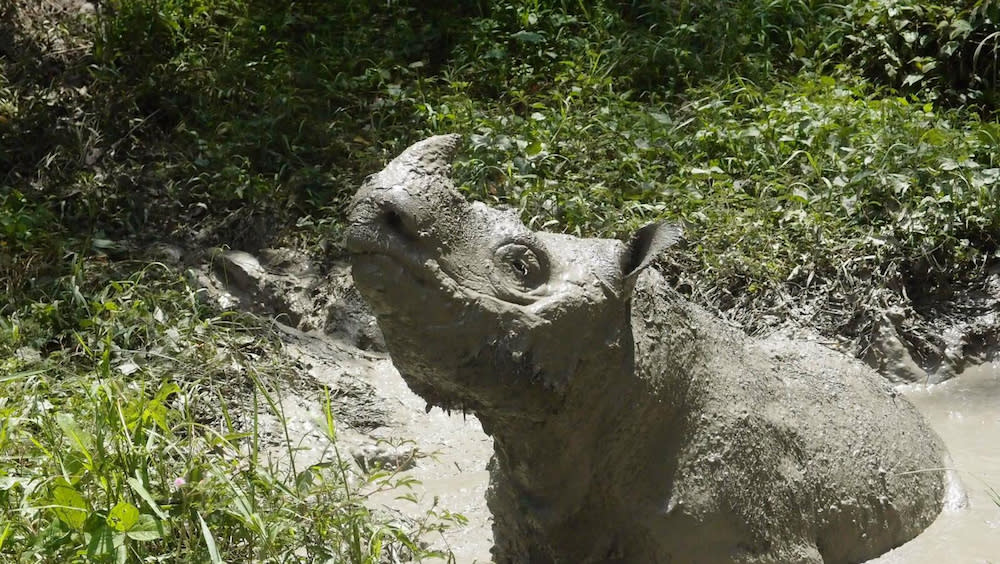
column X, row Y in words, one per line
column 390, row 282
column 383, row 243
column 390, row 263
column 433, row 345
column 401, row 288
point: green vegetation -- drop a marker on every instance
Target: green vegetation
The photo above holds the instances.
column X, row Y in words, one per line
column 114, row 450
column 839, row 154
column 768, row 127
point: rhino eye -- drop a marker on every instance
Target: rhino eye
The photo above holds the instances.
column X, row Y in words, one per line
column 521, row 265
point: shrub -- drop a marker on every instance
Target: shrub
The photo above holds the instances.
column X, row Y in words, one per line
column 942, row 49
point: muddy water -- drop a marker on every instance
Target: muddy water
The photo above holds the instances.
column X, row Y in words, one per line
column 455, row 472
column 966, row 413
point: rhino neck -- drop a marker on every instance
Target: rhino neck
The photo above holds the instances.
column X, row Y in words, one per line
column 579, row 463
column 544, row 473
column 616, row 437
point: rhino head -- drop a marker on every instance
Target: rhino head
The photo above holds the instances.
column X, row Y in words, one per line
column 479, row 312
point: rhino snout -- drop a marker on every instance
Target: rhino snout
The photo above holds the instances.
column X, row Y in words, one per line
column 395, row 220
column 382, row 222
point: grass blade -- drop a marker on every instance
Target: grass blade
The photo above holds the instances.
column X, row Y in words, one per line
column 213, row 551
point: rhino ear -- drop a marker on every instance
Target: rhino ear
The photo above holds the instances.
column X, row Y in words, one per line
column 644, row 246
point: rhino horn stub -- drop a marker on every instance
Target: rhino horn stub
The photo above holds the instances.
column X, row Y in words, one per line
column 422, row 167
column 425, row 164
column 402, row 203
column 431, row 157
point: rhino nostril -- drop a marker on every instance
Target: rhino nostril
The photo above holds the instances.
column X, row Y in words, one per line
column 393, row 220
column 399, row 222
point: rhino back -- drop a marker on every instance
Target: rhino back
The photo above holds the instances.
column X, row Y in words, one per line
column 789, row 439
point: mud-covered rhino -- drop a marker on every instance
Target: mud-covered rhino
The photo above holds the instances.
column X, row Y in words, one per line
column 629, row 425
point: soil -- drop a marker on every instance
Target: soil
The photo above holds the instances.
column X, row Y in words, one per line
column 908, row 336
column 387, row 424
column 331, row 336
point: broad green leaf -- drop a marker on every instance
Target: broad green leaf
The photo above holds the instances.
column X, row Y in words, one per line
column 960, row 28
column 527, row 36
column 989, row 134
column 147, row 529
column 166, row 390
column 123, row 516
column 156, row 411
column 713, row 172
column 70, row 507
column 660, row 117
column 81, row 440
column 799, row 48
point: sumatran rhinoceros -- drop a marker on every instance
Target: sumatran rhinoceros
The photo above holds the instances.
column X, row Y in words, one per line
column 629, row 424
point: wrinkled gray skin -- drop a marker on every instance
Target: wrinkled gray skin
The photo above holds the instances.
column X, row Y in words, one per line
column 630, row 425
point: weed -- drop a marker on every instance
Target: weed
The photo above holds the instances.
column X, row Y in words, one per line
column 942, row 49
column 114, row 447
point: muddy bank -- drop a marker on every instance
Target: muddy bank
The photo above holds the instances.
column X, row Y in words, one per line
column 333, row 343
column 334, row 339
column 924, row 341
column 446, row 452
column 918, row 335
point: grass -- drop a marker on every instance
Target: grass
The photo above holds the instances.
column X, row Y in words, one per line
column 828, row 161
column 114, row 447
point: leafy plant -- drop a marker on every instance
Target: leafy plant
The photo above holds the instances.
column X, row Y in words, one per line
column 941, row 49
column 115, row 448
